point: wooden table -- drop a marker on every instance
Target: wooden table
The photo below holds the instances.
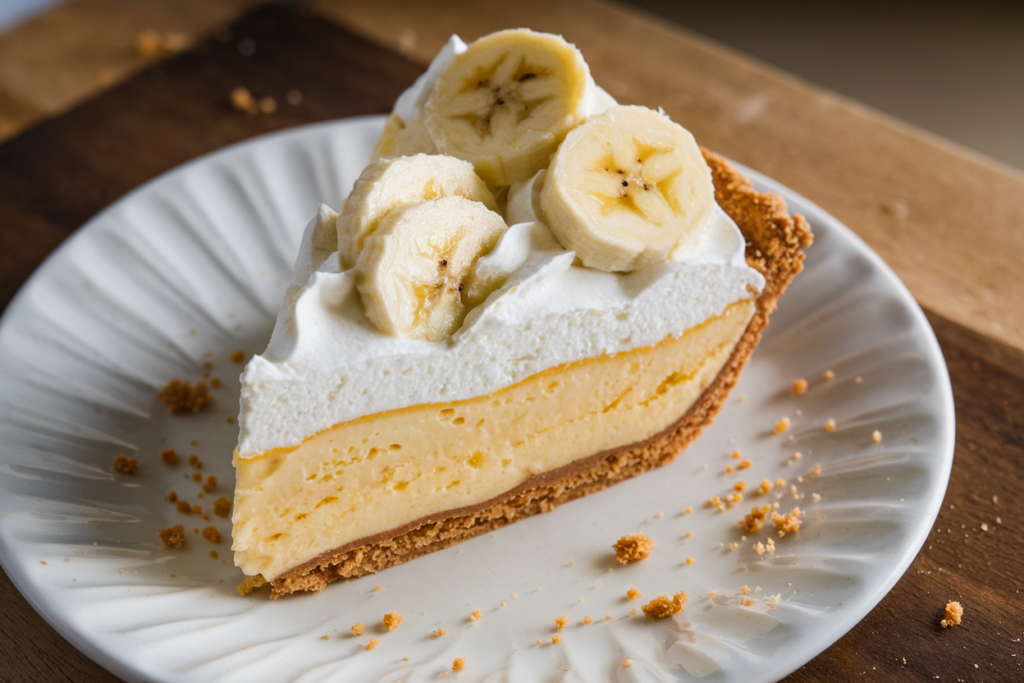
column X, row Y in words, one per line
column 950, row 223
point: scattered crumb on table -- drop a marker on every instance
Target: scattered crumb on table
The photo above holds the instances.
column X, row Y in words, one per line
column 954, row 612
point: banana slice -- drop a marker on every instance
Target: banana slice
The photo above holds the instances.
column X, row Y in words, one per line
column 625, row 188
column 401, row 139
column 411, row 272
column 508, row 101
column 391, row 183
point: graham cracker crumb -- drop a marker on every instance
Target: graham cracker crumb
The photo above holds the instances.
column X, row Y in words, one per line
column 438, row 633
column 800, row 386
column 215, row 382
column 556, row 639
column 744, row 464
column 745, row 590
column 268, row 105
column 607, row 617
column 195, row 461
column 181, row 397
column 242, row 100
column 712, row 594
column 173, row 536
column 816, row 497
column 789, row 523
column 729, row 469
column 626, row 663
column 759, row 548
column 358, row 629
column 561, row 622
column 740, row 486
column 211, row 534
column 756, row 519
column 736, row 454
column 782, row 425
column 169, row 456
column 374, row 642
column 475, row 616
column 747, row 602
column 125, row 465
column 184, row 508
column 377, row 588
column 197, row 509
column 828, row 374
column 392, row 620
column 765, row 488
column 662, row 607
column 633, row 594
column 211, row 484
column 954, row 612
column 222, row 507
column 633, row 548
column 213, row 554
column 250, row 584
column 876, row 436
column 238, row 356
column 690, row 561
column 196, row 477
column 632, row 612
column 816, row 472
column 325, row 637
column 587, row 620
column 830, row 426
column 458, row 664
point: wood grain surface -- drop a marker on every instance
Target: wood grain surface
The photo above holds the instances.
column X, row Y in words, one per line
column 58, row 174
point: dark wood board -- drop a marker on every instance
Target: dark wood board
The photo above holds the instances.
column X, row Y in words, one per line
column 54, row 177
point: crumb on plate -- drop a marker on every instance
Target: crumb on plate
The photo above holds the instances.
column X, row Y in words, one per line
column 633, row 548
column 182, row 397
column 125, row 465
column 662, row 606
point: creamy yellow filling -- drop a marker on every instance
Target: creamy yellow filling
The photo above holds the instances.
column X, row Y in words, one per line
column 378, row 472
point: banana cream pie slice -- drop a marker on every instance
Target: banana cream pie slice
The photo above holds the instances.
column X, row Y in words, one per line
column 557, row 293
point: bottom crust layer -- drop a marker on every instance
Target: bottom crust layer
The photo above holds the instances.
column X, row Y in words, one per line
column 775, row 244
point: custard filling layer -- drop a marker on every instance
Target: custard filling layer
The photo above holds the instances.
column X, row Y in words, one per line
column 379, row 472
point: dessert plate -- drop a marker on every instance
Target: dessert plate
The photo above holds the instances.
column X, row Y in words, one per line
column 190, row 268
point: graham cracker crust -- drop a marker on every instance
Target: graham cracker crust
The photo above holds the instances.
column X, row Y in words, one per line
column 775, row 243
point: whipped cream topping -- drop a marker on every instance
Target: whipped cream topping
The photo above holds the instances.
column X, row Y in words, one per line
column 410, row 103
column 327, row 363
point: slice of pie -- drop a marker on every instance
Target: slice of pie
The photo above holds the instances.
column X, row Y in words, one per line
column 556, row 293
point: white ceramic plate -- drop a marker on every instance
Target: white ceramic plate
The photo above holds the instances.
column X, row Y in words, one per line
column 192, row 266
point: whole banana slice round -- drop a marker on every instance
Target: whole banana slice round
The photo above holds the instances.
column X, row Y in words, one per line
column 508, row 101
column 411, row 272
column 389, row 184
column 625, row 188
